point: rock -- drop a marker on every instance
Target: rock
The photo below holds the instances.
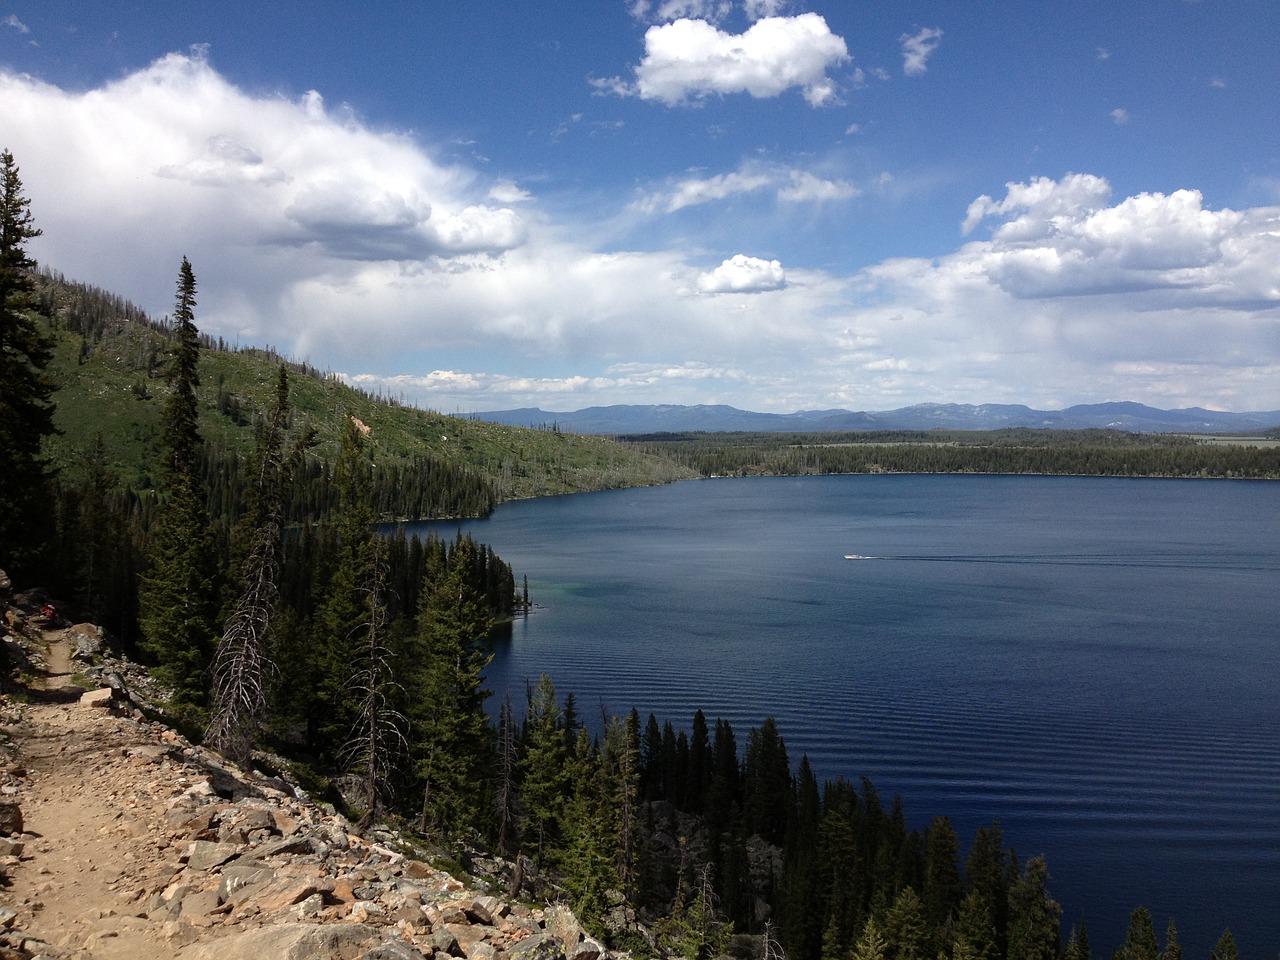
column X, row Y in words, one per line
column 588, row 949
column 443, row 941
column 393, row 950
column 100, row 698
column 10, row 817
column 563, row 925
column 291, row 941
column 482, row 950
column 87, row 641
column 540, row 946
column 206, row 855
column 11, row 848
column 285, row 845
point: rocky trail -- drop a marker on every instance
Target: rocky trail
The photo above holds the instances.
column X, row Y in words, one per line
column 122, row 840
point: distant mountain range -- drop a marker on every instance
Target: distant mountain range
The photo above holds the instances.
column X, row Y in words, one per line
column 1133, row 417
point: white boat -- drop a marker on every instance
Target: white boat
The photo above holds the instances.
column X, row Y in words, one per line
column 855, row 556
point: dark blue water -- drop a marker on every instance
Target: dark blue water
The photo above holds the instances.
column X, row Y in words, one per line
column 1095, row 663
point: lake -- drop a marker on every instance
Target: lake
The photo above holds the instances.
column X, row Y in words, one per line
column 1093, row 662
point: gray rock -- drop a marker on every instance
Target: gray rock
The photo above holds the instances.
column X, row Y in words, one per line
column 540, row 946
column 588, row 949
column 206, row 855
column 561, row 922
column 442, row 941
column 393, row 950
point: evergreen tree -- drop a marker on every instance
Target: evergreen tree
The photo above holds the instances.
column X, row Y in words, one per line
column 1225, row 948
column 621, row 763
column 451, row 733
column 1033, row 915
column 1140, row 938
column 343, row 608
column 179, row 592
column 26, row 407
column 1077, row 947
column 544, row 786
column 1172, row 949
column 590, row 866
column 975, row 927
column 942, row 888
column 871, row 945
column 906, row 929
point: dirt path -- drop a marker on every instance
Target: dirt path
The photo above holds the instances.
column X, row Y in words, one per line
column 92, row 855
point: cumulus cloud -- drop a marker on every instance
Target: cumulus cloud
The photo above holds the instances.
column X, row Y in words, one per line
column 360, row 250
column 917, row 48
column 284, row 173
column 1119, row 116
column 691, row 59
column 743, row 274
column 1076, row 296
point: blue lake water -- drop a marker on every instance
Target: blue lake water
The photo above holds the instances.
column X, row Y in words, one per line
column 1094, row 663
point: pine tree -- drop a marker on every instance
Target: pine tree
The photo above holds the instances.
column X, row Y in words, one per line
column 180, row 590
column 1172, row 948
column 451, row 732
column 1033, row 915
column 1140, row 938
column 1225, row 948
column 871, row 945
column 544, row 785
column 342, row 611
column 26, row 407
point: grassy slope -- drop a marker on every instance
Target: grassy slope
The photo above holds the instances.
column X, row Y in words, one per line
column 116, row 388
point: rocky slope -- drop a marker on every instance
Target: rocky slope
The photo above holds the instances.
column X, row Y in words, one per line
column 122, row 840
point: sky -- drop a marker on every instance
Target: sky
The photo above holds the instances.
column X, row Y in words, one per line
column 780, row 205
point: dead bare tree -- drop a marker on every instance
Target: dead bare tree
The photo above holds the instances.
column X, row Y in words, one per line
column 241, row 666
column 377, row 742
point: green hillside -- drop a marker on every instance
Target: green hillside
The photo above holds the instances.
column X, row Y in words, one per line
column 110, row 364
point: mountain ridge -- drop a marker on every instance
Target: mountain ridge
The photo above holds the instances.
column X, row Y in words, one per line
column 619, row 419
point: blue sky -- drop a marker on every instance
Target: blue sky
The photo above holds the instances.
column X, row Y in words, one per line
column 776, row 205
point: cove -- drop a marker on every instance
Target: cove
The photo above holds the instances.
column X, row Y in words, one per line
column 1092, row 662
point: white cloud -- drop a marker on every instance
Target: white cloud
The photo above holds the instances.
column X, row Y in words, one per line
column 688, row 60
column 759, row 9
column 694, row 191
column 743, row 274
column 507, row 191
column 359, row 250
column 12, row 21
column 917, row 48
column 787, row 185
column 805, row 187
column 1119, row 116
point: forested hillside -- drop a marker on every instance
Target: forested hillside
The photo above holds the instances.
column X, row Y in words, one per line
column 109, row 363
column 1108, row 453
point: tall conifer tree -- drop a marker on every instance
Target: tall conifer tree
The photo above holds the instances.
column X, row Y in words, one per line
column 26, row 407
column 179, row 593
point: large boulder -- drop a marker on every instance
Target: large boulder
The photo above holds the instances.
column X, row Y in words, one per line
column 291, row 941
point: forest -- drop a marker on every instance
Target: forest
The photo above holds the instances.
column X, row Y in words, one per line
column 1106, row 453
column 234, row 540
